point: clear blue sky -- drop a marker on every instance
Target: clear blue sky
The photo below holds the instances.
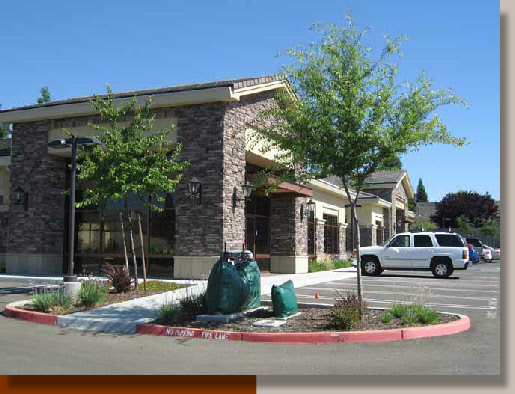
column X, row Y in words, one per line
column 76, row 48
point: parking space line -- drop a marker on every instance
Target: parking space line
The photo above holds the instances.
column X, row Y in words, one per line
column 406, row 287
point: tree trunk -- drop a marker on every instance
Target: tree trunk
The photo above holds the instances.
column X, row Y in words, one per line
column 131, row 238
column 124, row 244
column 355, row 230
column 142, row 254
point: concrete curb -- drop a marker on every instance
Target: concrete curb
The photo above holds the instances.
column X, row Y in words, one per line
column 310, row 337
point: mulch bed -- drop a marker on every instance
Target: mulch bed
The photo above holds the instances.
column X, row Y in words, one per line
column 310, row 320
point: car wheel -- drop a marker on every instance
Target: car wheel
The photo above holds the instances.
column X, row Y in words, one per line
column 370, row 267
column 442, row 269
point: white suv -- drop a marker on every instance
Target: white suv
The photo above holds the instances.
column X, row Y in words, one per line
column 441, row 253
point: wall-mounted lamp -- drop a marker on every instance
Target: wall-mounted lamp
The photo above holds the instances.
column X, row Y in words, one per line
column 311, row 206
column 247, row 190
column 21, row 197
column 196, row 190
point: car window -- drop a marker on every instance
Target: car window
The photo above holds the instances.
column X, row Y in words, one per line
column 474, row 241
column 423, row 241
column 400, row 241
column 449, row 240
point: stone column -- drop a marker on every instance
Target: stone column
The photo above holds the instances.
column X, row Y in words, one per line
column 35, row 238
column 319, row 238
column 368, row 235
column 288, row 235
column 199, row 227
column 342, row 240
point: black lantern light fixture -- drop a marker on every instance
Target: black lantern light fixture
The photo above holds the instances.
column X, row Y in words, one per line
column 20, row 196
column 247, row 191
column 195, row 190
column 311, row 206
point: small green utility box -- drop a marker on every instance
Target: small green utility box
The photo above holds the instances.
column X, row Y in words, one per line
column 284, row 300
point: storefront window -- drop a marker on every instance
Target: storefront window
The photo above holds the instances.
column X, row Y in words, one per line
column 331, row 234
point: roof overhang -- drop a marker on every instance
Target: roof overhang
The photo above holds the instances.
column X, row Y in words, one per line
column 333, row 189
column 289, row 187
column 82, row 106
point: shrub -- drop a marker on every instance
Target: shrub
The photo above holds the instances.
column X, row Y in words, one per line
column 57, row 302
column 347, row 311
column 316, row 266
column 193, row 304
column 169, row 313
column 119, row 278
column 341, row 263
column 398, row 310
column 386, row 317
column 91, row 293
column 410, row 317
column 425, row 314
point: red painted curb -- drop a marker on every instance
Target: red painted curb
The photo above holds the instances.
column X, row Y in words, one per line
column 291, row 337
column 35, row 317
column 437, row 330
column 187, row 332
column 371, row 336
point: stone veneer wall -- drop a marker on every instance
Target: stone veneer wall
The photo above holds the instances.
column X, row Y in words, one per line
column 342, row 239
column 368, row 235
column 238, row 116
column 319, row 238
column 199, row 227
column 288, row 233
column 39, row 230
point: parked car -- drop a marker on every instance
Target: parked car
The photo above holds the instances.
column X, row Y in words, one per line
column 473, row 254
column 438, row 252
column 487, row 255
column 478, row 245
column 496, row 253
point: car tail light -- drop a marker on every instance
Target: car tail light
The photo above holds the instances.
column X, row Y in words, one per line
column 464, row 255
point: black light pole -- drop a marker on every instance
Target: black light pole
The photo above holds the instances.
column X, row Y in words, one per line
column 71, row 246
column 60, row 144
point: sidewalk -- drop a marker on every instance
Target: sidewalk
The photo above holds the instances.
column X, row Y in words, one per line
column 123, row 317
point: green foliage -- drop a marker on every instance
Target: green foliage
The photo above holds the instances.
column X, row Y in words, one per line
column 420, row 225
column 193, row 304
column 57, row 301
column 491, row 227
column 425, row 314
column 161, row 286
column 398, row 310
column 119, row 278
column 409, row 317
column 412, row 204
column 45, row 95
column 386, row 317
column 345, row 114
column 393, row 163
column 3, row 133
column 92, row 293
column 347, row 311
column 169, row 314
column 133, row 159
column 317, row 266
column 421, row 195
column 341, row 263
column 464, row 223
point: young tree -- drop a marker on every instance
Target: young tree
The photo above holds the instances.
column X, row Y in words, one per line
column 130, row 159
column 45, row 95
column 345, row 114
column 474, row 207
column 421, row 194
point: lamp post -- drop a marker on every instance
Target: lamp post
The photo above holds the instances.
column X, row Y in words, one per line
column 61, row 144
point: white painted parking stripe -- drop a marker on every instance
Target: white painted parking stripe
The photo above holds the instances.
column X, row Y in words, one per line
column 445, row 283
column 436, row 305
column 432, row 295
column 468, row 290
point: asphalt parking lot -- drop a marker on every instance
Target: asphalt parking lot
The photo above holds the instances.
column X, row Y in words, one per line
column 29, row 348
column 473, row 291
